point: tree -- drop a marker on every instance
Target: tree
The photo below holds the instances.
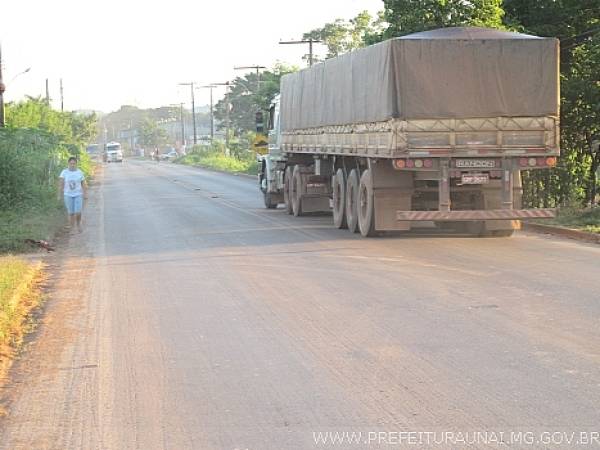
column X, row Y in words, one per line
column 72, row 128
column 246, row 96
column 341, row 36
column 577, row 24
column 409, row 16
column 151, row 135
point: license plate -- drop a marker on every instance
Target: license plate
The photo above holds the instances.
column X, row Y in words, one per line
column 475, row 163
column 475, row 178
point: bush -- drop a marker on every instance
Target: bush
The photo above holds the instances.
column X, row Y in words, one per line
column 214, row 157
column 31, row 160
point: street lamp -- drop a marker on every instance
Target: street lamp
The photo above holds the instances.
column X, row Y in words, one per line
column 191, row 85
column 19, row 74
column 3, row 89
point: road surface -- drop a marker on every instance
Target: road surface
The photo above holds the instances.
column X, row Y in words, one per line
column 186, row 316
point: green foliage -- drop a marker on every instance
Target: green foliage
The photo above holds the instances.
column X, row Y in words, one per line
column 587, row 219
column 133, row 118
column 577, row 24
column 342, row 36
column 150, row 134
column 214, row 157
column 70, row 128
column 34, row 148
column 246, row 96
column 409, row 16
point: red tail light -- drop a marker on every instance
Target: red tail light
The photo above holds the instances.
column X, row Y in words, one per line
column 399, row 163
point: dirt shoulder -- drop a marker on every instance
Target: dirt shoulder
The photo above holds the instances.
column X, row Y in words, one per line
column 50, row 332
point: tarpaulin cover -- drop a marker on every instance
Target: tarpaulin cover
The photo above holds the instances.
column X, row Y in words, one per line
column 439, row 74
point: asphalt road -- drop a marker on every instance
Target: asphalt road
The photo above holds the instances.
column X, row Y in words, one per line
column 186, row 316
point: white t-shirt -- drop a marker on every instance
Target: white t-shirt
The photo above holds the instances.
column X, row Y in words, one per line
column 73, row 180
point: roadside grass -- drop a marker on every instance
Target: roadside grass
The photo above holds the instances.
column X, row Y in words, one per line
column 35, row 222
column 219, row 161
column 582, row 219
column 19, row 294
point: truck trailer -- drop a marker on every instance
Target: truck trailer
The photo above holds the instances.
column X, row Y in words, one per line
column 431, row 127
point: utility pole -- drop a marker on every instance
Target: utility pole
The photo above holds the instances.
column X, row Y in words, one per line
column 227, row 84
column 257, row 68
column 310, row 43
column 212, row 114
column 61, row 96
column 2, row 89
column 47, row 93
column 131, row 138
column 182, row 125
column 191, row 85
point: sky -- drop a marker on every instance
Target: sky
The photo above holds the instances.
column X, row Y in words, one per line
column 115, row 52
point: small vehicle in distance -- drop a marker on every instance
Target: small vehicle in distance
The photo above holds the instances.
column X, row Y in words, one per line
column 170, row 156
column 114, row 153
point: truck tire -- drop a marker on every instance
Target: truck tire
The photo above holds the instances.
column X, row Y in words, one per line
column 339, row 199
column 366, row 205
column 287, row 187
column 296, row 191
column 268, row 201
column 352, row 201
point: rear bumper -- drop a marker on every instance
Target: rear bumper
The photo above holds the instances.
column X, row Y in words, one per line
column 492, row 214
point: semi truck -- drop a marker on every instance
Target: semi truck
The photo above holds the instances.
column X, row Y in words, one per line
column 432, row 128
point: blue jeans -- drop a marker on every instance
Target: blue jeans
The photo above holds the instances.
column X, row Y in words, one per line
column 74, row 204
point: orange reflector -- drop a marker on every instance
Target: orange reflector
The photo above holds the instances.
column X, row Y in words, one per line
column 551, row 161
column 399, row 163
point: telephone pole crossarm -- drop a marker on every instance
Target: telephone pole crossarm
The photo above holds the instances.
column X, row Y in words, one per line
column 310, row 43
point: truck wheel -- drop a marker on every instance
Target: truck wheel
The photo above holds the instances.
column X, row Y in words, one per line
column 268, row 201
column 287, row 188
column 352, row 201
column 366, row 207
column 339, row 199
column 296, row 191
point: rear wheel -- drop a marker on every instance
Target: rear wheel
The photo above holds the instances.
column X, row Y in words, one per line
column 366, row 207
column 296, row 191
column 339, row 199
column 269, row 204
column 352, row 201
column 287, row 188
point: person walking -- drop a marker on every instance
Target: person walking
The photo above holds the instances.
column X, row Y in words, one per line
column 73, row 188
